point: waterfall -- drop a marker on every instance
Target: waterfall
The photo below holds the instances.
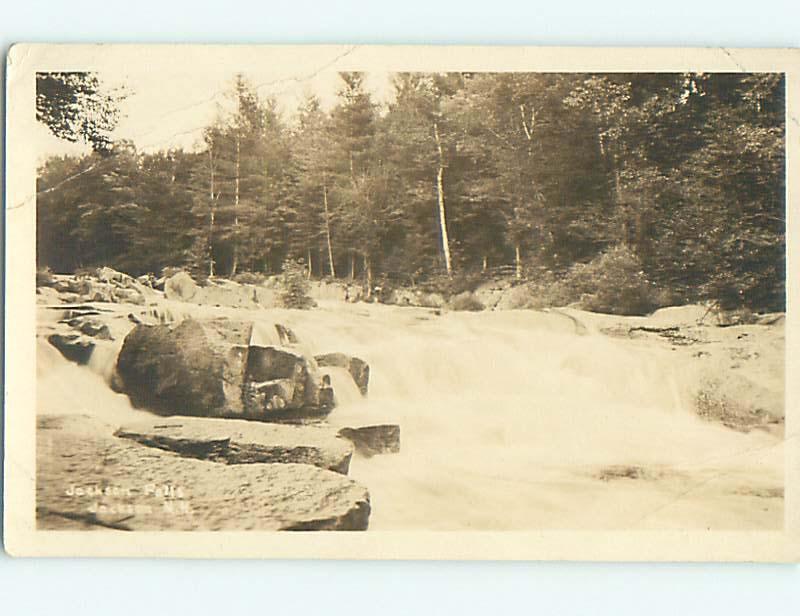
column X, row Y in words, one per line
column 507, row 417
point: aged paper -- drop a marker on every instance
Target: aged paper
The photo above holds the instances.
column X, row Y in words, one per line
column 405, row 302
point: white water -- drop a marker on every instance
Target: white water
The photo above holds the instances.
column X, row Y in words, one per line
column 506, row 419
column 507, row 416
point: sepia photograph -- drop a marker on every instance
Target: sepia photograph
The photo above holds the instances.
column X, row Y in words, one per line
column 411, row 294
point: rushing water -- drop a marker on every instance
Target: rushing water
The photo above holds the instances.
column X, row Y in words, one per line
column 508, row 420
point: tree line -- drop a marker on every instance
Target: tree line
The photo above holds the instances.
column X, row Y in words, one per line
column 461, row 174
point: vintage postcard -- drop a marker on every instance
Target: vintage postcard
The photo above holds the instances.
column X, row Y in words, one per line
column 407, row 302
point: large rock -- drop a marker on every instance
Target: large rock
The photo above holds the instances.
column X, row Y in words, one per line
column 125, row 295
column 111, row 276
column 188, row 369
column 358, row 368
column 490, row 292
column 371, row 440
column 283, row 379
column 107, row 285
column 216, row 292
column 87, row 479
column 180, row 287
column 212, row 369
column 75, row 347
column 71, row 284
column 89, row 327
column 229, row 340
column 516, row 298
column 233, row 441
column 227, row 293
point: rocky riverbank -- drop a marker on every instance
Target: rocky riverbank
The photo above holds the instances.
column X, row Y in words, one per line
column 195, row 465
column 731, row 372
column 511, row 418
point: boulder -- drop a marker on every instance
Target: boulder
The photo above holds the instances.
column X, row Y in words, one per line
column 128, row 296
column 217, row 292
column 270, row 395
column 227, row 293
column 235, row 441
column 146, row 280
column 187, row 369
column 211, row 369
column 70, row 298
column 86, row 289
column 70, row 284
column 86, row 478
column 100, row 293
column 465, row 302
column 90, row 327
column 358, row 368
column 75, row 347
column 229, row 340
column 490, row 292
column 288, row 379
column 373, row 439
column 110, row 276
column 180, row 287
column 516, row 298
column 110, row 286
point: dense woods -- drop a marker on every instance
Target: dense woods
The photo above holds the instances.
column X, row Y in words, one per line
column 674, row 182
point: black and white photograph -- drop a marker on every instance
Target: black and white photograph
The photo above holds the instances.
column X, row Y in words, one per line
column 319, row 289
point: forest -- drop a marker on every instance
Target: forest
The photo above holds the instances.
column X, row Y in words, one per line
column 668, row 186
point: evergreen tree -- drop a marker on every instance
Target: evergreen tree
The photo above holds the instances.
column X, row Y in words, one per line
column 546, row 176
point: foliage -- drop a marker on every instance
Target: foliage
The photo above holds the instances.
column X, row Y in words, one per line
column 458, row 283
column 249, row 278
column 76, row 107
column 295, row 287
column 613, row 283
column 623, row 191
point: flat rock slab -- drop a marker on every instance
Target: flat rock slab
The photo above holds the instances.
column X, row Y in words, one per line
column 370, row 440
column 88, row 479
column 236, row 441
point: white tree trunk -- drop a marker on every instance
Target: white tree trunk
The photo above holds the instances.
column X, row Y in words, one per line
column 211, row 214
column 328, row 229
column 368, row 271
column 235, row 265
column 440, row 193
column 517, row 261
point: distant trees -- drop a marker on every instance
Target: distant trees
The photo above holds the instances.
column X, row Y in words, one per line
column 462, row 173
